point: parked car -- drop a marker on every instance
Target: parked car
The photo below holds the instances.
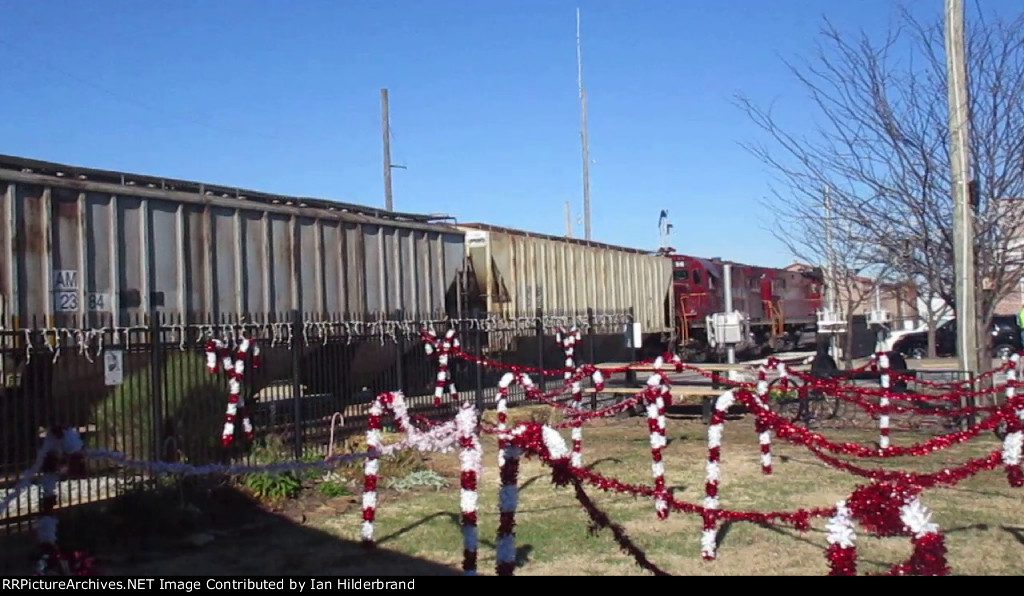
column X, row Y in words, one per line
column 1004, row 336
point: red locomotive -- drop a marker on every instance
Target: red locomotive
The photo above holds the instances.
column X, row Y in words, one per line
column 781, row 304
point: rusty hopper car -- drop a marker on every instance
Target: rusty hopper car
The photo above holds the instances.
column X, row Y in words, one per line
column 90, row 248
column 513, row 273
column 107, row 245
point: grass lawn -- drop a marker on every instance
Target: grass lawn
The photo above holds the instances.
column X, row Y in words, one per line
column 418, row 533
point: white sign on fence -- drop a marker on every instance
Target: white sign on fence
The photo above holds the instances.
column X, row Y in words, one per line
column 113, row 367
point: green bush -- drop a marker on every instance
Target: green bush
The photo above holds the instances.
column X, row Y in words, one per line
column 333, row 488
column 275, row 487
column 194, row 403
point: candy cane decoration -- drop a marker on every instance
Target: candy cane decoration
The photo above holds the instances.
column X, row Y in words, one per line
column 1013, row 443
column 713, row 473
column 929, row 545
column 440, row 439
column 371, row 467
column 654, row 395
column 444, row 347
column 59, row 441
column 557, row 455
column 234, row 367
column 508, row 469
column 883, row 402
column 842, row 551
column 568, row 341
column 470, row 464
column 508, row 501
column 764, row 434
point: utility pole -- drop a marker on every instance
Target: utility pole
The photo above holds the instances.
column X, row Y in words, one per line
column 386, row 134
column 568, row 219
column 583, row 130
column 831, row 297
column 963, row 225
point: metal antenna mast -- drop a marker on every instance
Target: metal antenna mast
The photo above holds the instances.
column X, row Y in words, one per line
column 583, row 130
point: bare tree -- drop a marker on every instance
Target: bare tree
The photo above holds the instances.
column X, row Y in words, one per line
column 804, row 226
column 881, row 142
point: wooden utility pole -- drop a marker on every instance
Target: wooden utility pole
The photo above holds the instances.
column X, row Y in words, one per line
column 963, row 224
column 386, row 134
column 583, row 130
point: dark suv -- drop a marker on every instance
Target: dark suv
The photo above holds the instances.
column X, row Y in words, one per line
column 1005, row 338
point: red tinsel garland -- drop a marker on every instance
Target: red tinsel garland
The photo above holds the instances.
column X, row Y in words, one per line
column 841, row 560
column 928, row 558
column 600, row 520
column 799, row 435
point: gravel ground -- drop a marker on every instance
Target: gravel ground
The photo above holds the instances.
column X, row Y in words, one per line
column 70, row 492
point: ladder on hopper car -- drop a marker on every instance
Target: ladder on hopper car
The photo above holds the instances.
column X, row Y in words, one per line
column 778, row 320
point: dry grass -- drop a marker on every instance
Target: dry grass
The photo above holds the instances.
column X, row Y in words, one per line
column 980, row 517
column 418, row 533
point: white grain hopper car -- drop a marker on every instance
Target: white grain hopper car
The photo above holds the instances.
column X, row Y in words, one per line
column 514, row 273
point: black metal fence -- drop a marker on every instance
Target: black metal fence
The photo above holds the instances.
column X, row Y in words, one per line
column 144, row 390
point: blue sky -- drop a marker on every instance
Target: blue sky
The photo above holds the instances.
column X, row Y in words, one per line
column 284, row 97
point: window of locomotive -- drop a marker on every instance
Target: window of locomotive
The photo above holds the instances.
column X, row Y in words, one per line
column 681, row 275
column 696, row 276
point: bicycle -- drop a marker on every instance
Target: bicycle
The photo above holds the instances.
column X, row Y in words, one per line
column 801, row 404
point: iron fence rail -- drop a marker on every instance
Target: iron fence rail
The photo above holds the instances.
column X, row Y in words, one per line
column 144, row 389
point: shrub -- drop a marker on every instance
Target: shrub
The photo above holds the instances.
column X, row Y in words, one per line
column 274, row 487
column 193, row 411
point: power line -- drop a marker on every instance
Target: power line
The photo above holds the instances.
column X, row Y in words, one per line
column 184, row 118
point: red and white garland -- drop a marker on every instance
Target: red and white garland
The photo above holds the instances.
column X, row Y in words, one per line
column 508, row 469
column 58, row 442
column 708, row 540
column 658, row 395
column 764, row 431
column 508, row 495
column 568, row 340
column 842, row 550
column 886, row 510
column 1013, row 442
column 444, row 347
column 234, row 366
column 883, row 402
column 440, row 439
column 371, row 467
column 470, row 466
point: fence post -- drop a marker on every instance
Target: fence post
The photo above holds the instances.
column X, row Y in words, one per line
column 478, row 350
column 631, row 349
column 400, row 351
column 971, row 401
column 540, row 347
column 592, row 350
column 298, row 425
column 156, row 382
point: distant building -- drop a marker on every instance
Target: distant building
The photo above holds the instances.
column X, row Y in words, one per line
column 1012, row 303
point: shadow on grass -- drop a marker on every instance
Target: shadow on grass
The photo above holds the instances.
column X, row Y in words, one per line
column 523, row 552
column 1017, row 533
column 206, row 529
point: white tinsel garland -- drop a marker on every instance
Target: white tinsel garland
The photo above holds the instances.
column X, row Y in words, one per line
column 840, row 527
